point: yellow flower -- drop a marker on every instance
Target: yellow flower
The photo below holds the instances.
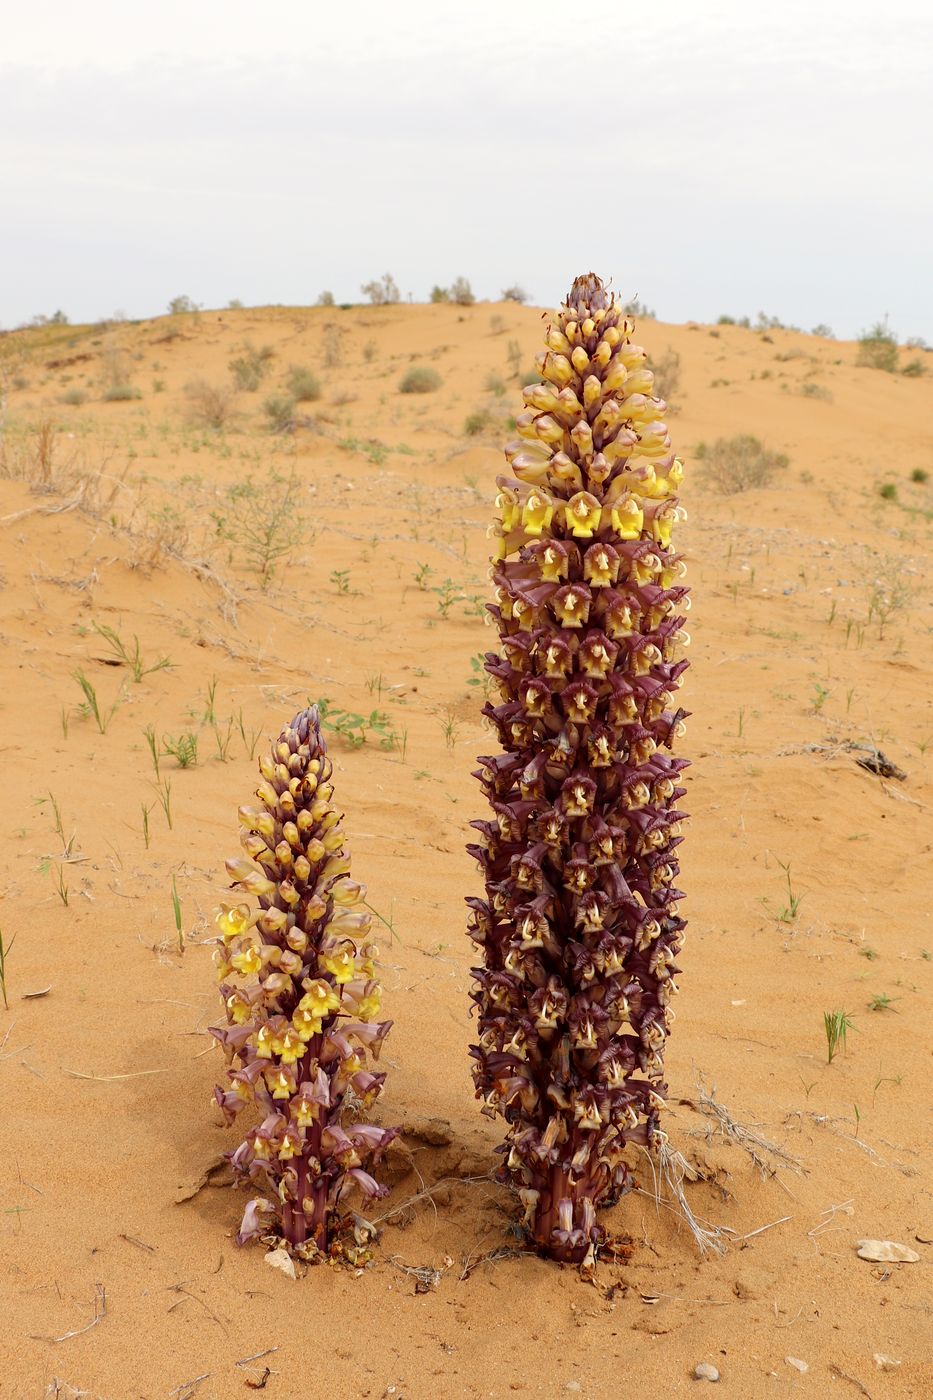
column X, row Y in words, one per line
column 248, row 962
column 304, row 1111
column 291, row 1144
column 369, row 1004
column 293, row 1047
column 264, row 1040
column 280, row 1081
column 627, row 518
column 583, row 513
column 233, row 920
column 306, row 1023
column 341, row 963
column 238, row 1008
column 320, row 999
column 537, row 513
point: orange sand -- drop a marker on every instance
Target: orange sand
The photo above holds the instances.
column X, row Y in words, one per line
column 105, row 1081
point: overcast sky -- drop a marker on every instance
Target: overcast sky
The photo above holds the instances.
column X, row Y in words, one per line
column 710, row 155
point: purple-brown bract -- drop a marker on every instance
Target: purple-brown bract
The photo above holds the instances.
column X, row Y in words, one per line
column 580, row 928
column 298, row 981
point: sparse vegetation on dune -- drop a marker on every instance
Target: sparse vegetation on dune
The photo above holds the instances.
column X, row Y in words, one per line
column 344, row 558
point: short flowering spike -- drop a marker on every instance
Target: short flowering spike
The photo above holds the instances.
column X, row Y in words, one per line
column 580, row 928
column 298, row 984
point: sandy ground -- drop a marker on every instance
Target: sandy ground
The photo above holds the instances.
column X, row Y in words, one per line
column 105, row 1079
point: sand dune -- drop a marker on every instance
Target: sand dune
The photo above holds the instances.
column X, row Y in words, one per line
column 811, row 626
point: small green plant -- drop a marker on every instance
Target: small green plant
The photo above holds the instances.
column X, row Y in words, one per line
column 210, row 703
column 164, row 791
column 250, row 736
column 495, row 384
column 90, row 708
column 888, row 596
column 4, row 951
column 354, row 728
column 145, row 814
column 153, row 746
column 421, row 575
column 919, row 475
column 121, row 393
column 740, row 463
column 820, row 696
column 340, row 578
column 914, row 369
column 61, row 884
column 420, row 379
column 868, row 952
column 515, row 357
column 448, row 593
column 303, row 384
column 450, row 726
column 788, row 914
column 223, row 739
column 881, row 1002
column 836, row 1025
column 877, row 348
column 481, row 676
column 176, row 909
column 184, row 748
column 74, row 397
column 376, row 683
column 130, row 658
column 887, row 491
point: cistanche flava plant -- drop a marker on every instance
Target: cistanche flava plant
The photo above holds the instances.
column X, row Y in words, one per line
column 579, row 927
column 298, row 980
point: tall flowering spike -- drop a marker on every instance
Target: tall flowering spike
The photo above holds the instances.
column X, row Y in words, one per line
column 579, row 929
column 298, row 980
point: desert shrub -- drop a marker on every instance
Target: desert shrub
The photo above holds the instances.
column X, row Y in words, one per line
column 182, row 306
column 234, row 304
column 825, row 332
column 263, row 523
column 476, row 423
column 369, row 351
column 251, row 366
column 461, row 292
column 382, row 292
column 303, row 384
column 280, row 411
column 877, row 348
column 919, row 475
column 209, row 405
column 887, row 491
column 725, row 321
column 638, row 308
column 325, row 299
column 74, row 397
column 666, row 371
column 515, row 293
column 420, row 379
column 740, row 463
column 439, row 294
column 121, row 393
column 914, row 368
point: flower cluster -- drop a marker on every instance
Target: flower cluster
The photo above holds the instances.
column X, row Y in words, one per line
column 298, row 980
column 580, row 928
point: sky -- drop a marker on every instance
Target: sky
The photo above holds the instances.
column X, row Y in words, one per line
column 710, row 156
